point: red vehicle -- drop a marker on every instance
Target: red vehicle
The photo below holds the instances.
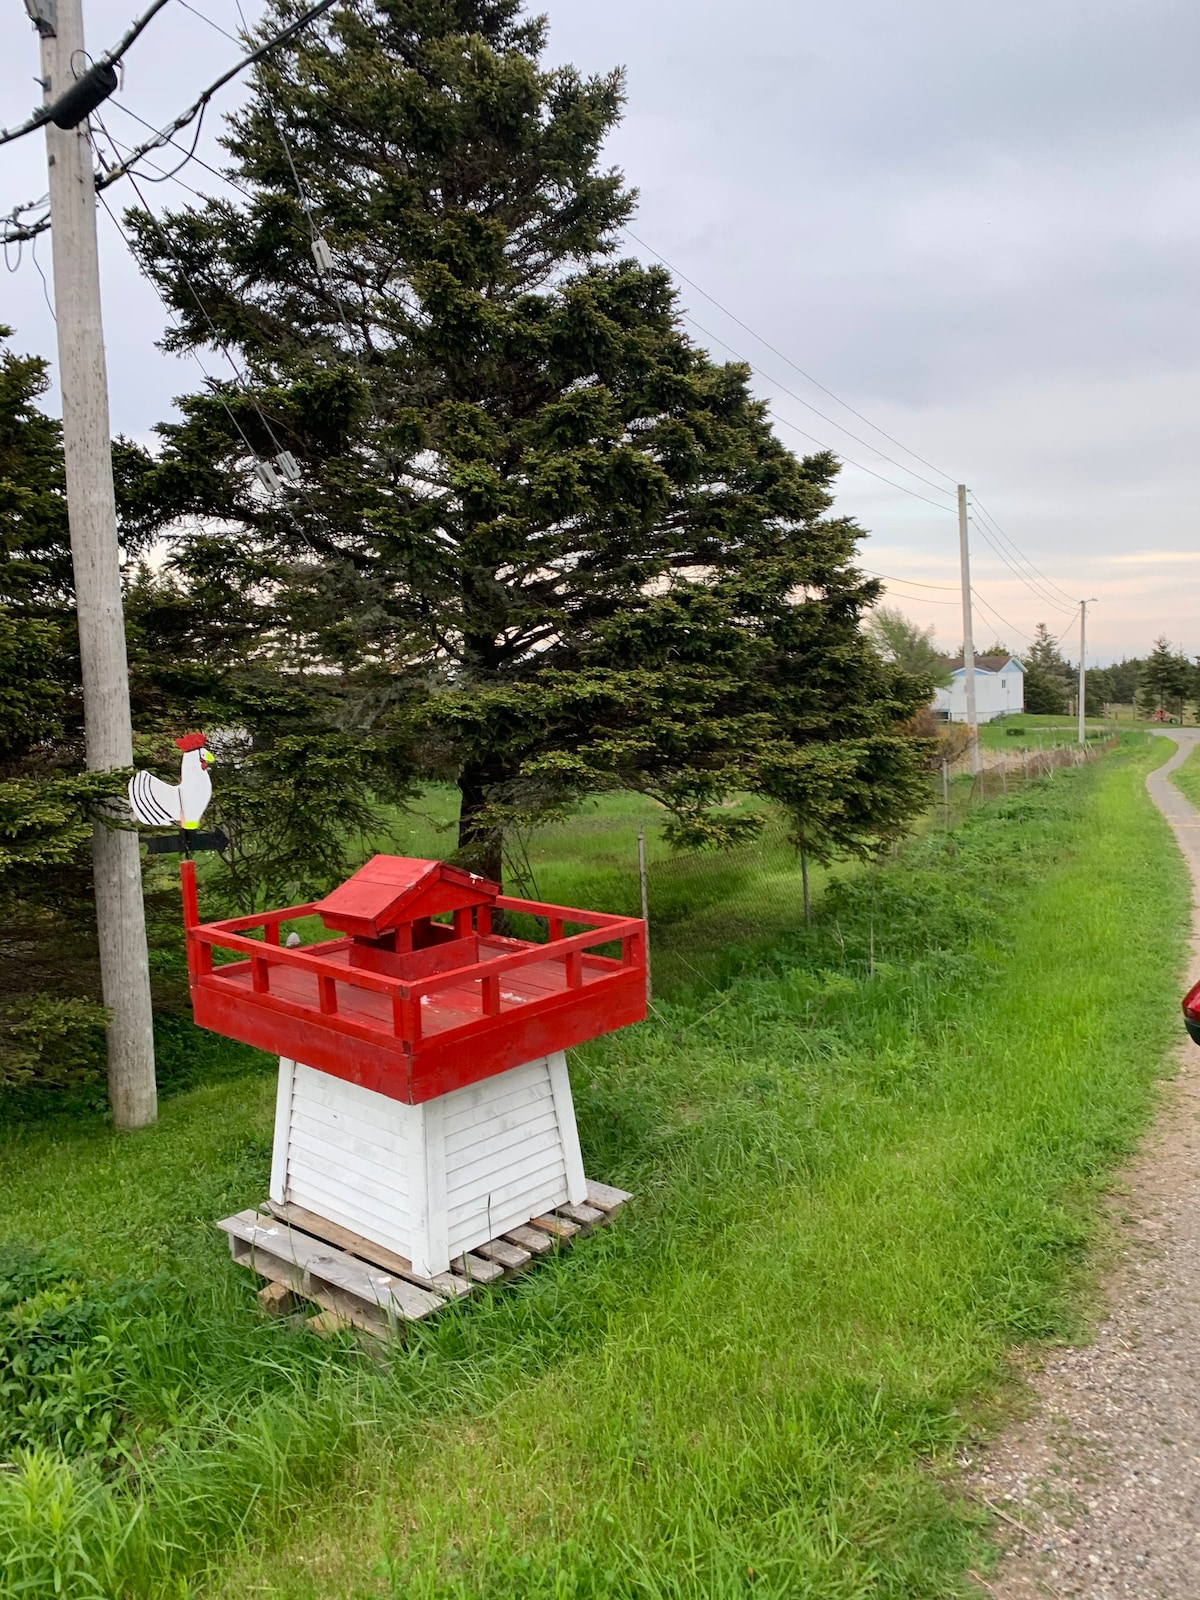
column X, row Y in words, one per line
column 1191, row 1012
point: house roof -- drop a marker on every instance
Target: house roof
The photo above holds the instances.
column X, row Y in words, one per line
column 985, row 663
column 390, row 890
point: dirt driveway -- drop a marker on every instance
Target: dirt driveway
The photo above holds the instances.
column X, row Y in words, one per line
column 1100, row 1489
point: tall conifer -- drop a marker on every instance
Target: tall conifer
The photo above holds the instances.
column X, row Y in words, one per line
column 548, row 545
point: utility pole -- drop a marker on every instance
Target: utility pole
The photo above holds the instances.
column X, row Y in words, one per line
column 1083, row 605
column 92, row 515
column 964, row 554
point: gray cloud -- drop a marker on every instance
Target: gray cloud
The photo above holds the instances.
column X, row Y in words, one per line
column 977, row 224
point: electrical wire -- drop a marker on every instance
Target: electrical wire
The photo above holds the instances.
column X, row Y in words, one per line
column 1042, row 594
column 325, row 278
column 109, row 58
column 174, row 176
column 211, row 23
column 986, row 514
column 776, row 351
column 921, row 599
column 947, row 510
column 1049, row 592
column 225, row 177
column 858, row 439
column 824, row 446
column 913, row 583
column 218, row 343
column 1011, row 626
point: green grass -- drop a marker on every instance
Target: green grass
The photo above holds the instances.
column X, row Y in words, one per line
column 1033, row 732
column 1187, row 777
column 867, row 1165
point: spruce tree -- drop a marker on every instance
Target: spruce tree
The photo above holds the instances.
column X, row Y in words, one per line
column 1048, row 677
column 542, row 542
column 1167, row 680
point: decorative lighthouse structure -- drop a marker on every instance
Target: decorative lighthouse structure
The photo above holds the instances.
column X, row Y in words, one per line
column 423, row 1103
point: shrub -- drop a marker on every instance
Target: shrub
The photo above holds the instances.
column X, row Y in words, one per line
column 51, row 1043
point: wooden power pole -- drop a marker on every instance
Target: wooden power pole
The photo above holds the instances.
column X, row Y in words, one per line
column 964, row 555
column 1082, row 708
column 92, row 514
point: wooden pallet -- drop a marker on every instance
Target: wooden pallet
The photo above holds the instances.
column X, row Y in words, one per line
column 363, row 1285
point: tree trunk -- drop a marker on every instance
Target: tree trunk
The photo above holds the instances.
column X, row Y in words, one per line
column 480, row 844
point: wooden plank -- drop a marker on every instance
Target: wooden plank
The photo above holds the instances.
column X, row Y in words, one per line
column 476, row 1268
column 509, row 1256
column 343, row 1239
column 531, row 1239
column 586, row 1216
column 367, row 1250
column 326, row 1323
column 325, row 1266
column 277, row 1300
column 558, row 1227
column 605, row 1198
column 291, row 1277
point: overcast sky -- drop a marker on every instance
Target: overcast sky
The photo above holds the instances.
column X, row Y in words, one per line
column 977, row 225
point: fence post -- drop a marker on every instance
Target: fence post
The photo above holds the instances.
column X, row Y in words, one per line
column 645, row 902
column 946, row 791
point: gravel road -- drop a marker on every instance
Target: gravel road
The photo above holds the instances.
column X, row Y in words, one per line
column 1099, row 1491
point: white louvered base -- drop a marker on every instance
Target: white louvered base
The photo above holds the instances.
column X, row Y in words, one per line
column 429, row 1182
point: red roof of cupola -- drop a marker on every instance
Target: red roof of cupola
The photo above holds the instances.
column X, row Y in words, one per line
column 391, row 890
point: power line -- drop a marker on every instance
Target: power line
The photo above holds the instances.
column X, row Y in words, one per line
column 1004, row 622
column 218, row 344
column 806, row 435
column 776, row 351
column 904, row 489
column 211, row 23
column 1057, row 599
column 118, row 147
column 824, row 417
column 982, row 509
column 109, row 59
column 913, row 583
column 225, row 177
column 1042, row 594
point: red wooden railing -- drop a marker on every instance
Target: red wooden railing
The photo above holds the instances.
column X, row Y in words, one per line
column 406, row 995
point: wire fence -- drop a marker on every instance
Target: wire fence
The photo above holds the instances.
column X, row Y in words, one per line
column 706, row 907
column 703, row 902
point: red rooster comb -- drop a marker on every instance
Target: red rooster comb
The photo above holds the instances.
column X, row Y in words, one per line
column 191, row 741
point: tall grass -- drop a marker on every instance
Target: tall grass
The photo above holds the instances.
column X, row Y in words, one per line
column 866, row 1164
column 1187, row 777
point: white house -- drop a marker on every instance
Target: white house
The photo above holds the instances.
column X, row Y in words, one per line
column 999, row 688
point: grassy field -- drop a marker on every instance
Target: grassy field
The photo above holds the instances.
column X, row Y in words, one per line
column 1187, row 777
column 1032, row 732
column 866, row 1157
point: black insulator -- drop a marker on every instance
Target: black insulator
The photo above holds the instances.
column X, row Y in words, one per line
column 84, row 95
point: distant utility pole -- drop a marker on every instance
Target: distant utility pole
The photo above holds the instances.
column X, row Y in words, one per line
column 92, row 515
column 1083, row 605
column 964, row 553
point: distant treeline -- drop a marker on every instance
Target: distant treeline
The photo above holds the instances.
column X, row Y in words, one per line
column 1165, row 680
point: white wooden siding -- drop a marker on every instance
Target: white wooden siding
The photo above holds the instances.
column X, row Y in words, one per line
column 429, row 1181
